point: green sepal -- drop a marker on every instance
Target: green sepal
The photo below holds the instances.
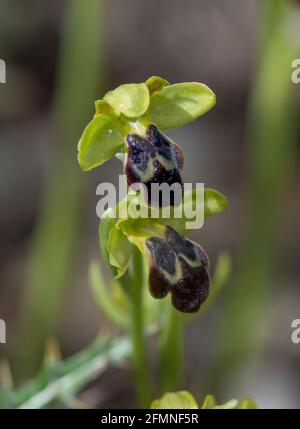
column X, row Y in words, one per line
column 120, row 250
column 100, row 141
column 106, row 224
column 104, row 297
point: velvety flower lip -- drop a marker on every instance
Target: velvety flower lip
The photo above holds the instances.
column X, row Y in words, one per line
column 178, row 266
column 153, row 159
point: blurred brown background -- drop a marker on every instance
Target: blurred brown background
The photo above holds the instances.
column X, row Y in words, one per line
column 218, row 43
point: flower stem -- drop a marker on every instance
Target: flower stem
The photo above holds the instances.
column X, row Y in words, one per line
column 139, row 354
column 171, row 350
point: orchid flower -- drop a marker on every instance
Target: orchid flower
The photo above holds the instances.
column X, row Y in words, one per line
column 128, row 123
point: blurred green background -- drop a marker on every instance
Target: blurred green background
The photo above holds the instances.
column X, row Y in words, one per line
column 60, row 57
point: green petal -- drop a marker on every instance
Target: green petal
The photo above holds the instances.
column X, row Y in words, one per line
column 173, row 401
column 102, row 107
column 214, row 202
column 141, row 227
column 120, row 251
column 131, row 99
column 156, row 83
column 179, row 104
column 100, row 141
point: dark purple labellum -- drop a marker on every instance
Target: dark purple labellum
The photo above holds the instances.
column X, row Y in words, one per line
column 154, row 159
column 178, row 266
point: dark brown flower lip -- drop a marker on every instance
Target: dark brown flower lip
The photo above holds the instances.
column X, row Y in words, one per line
column 178, row 266
column 153, row 159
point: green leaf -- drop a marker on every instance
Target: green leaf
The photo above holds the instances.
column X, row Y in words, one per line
column 178, row 400
column 120, row 251
column 131, row 99
column 179, row 104
column 156, row 83
column 100, row 141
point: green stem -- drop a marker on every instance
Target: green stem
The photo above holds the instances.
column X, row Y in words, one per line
column 139, row 353
column 171, row 351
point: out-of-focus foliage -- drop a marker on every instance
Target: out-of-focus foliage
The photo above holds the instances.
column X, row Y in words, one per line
column 273, row 134
column 182, row 399
column 58, row 225
column 185, row 400
column 59, row 381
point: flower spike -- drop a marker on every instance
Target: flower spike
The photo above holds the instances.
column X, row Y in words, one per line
column 127, row 124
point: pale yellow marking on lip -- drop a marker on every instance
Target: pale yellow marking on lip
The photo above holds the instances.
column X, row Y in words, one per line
column 191, row 263
column 146, row 175
column 172, row 278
